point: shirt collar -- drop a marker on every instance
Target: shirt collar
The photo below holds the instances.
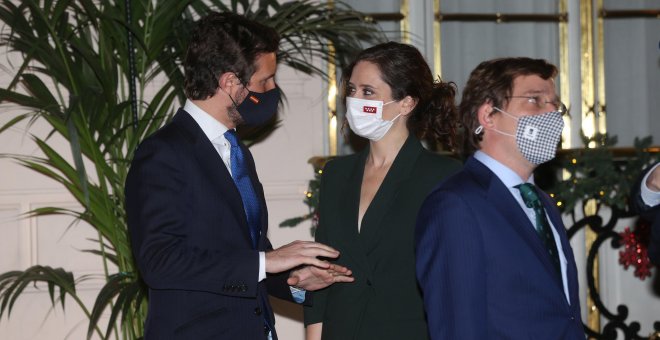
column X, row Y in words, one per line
column 212, row 127
column 509, row 177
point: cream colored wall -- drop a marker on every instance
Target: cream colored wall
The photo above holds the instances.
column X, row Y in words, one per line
column 282, row 165
column 281, row 162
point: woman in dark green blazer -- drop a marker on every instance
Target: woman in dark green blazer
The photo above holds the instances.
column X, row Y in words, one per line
column 369, row 201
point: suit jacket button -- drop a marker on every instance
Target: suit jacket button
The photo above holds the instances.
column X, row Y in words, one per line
column 257, row 311
column 266, row 330
column 368, row 282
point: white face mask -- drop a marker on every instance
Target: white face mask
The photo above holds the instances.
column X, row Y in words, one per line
column 365, row 117
column 537, row 136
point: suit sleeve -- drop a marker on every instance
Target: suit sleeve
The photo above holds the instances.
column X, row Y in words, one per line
column 638, row 206
column 451, row 268
column 315, row 312
column 156, row 213
column 654, row 244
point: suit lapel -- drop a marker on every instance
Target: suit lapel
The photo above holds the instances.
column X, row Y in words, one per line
column 571, row 270
column 348, row 221
column 500, row 198
column 386, row 195
column 370, row 231
column 214, row 169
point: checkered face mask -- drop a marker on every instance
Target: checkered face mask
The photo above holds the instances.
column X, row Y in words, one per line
column 537, row 136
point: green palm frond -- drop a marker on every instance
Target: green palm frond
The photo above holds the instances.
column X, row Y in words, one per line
column 59, row 282
column 308, row 29
column 125, row 293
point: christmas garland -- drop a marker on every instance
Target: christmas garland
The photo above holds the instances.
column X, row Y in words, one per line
column 599, row 172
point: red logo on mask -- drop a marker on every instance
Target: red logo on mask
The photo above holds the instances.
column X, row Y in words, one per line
column 369, row 109
column 254, row 99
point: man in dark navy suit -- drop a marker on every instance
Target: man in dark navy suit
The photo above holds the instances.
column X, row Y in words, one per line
column 493, row 259
column 196, row 210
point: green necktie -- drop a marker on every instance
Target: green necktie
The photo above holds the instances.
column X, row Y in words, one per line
column 543, row 229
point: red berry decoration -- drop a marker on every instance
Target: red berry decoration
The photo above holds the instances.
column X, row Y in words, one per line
column 635, row 249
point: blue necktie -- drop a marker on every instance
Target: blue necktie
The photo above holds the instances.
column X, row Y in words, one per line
column 239, row 173
column 543, row 229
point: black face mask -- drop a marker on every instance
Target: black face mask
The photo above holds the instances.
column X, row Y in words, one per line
column 259, row 108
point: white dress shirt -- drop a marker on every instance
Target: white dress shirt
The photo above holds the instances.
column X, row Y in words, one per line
column 510, row 180
column 215, row 132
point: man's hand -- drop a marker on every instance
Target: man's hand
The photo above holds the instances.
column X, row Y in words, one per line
column 653, row 181
column 298, row 253
column 315, row 278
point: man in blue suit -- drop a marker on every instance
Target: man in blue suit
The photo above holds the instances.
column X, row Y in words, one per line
column 196, row 209
column 493, row 259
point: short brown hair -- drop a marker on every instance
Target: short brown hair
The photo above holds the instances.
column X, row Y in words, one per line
column 492, row 81
column 224, row 42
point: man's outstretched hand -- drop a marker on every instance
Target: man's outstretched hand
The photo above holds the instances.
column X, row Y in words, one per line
column 315, row 278
column 298, row 253
column 312, row 273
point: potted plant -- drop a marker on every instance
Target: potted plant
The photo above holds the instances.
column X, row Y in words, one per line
column 85, row 70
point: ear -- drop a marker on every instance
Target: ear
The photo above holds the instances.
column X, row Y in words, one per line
column 484, row 114
column 228, row 82
column 408, row 104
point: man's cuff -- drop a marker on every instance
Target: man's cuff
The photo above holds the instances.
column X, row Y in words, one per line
column 650, row 197
column 298, row 294
column 262, row 266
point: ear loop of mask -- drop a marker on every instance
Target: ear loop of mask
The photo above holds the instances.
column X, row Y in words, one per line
column 390, row 102
column 480, row 128
column 230, row 97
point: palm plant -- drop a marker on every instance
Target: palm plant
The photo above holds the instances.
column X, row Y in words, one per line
column 85, row 69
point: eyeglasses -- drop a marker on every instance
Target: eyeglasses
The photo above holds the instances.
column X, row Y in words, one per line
column 541, row 103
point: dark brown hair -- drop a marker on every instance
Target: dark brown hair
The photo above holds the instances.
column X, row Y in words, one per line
column 224, row 42
column 492, row 82
column 406, row 72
